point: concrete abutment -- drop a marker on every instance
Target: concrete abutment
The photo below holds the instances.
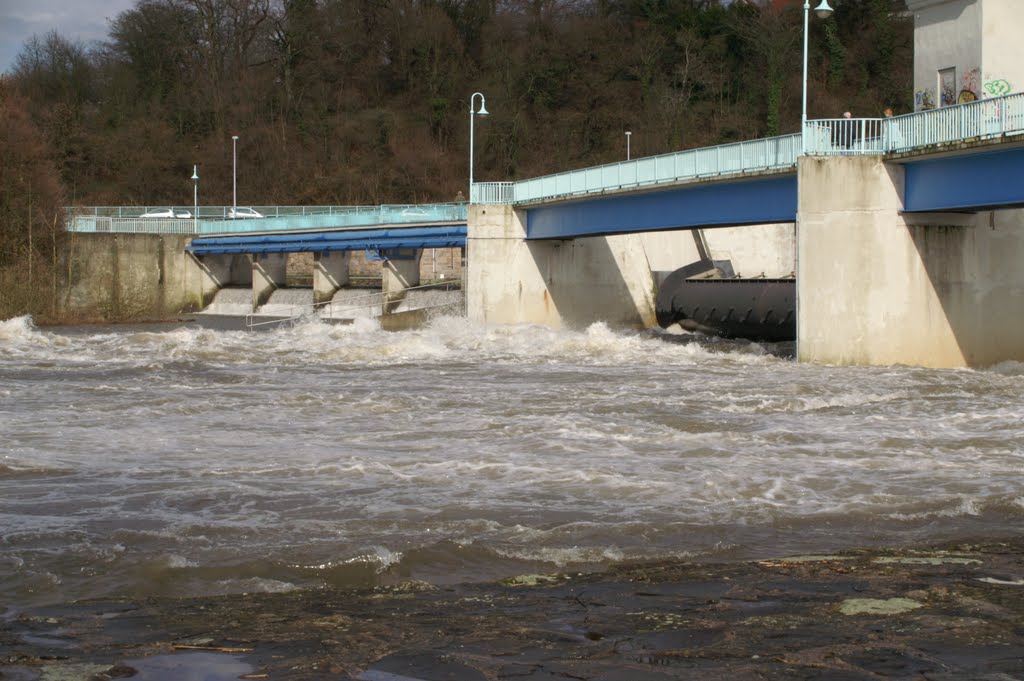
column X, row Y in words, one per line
column 877, row 286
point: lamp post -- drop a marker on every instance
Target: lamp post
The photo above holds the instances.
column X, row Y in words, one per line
column 472, row 113
column 628, row 133
column 195, row 197
column 823, row 11
column 234, row 175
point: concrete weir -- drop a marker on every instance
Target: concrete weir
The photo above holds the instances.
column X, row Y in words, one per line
column 252, row 291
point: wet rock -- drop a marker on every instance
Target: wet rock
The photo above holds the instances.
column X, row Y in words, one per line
column 835, row 617
column 877, row 606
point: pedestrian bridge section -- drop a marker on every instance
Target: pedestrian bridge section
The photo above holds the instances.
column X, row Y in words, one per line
column 714, row 185
column 216, row 220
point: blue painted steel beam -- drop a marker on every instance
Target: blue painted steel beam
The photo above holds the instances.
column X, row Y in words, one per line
column 448, row 237
column 965, row 182
column 753, row 201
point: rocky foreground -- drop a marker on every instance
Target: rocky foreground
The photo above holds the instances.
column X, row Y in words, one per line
column 955, row 612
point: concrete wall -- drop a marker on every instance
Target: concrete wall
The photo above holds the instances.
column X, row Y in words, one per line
column 877, row 287
column 1002, row 66
column 576, row 282
column 127, row 277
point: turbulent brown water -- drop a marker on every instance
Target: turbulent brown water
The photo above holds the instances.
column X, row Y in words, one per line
column 183, row 461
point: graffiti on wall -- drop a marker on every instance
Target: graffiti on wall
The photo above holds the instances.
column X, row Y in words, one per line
column 969, row 87
column 924, row 100
column 947, row 86
column 997, row 88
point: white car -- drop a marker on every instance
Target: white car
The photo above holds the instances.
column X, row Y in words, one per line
column 239, row 213
column 166, row 213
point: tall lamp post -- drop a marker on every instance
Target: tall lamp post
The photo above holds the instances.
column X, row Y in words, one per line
column 195, row 198
column 472, row 114
column 234, row 175
column 628, row 133
column 823, row 11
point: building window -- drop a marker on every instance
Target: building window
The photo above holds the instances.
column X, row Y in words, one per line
column 947, row 87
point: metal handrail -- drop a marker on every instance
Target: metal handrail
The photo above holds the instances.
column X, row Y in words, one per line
column 740, row 157
column 983, row 119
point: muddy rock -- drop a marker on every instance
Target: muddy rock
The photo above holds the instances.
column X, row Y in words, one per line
column 954, row 612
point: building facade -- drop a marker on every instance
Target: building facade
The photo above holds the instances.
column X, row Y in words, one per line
column 965, row 50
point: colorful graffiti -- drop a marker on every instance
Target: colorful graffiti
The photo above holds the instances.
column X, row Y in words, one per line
column 924, row 100
column 969, row 87
column 947, row 86
column 997, row 88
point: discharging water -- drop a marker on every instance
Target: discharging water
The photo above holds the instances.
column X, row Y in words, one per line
column 180, row 460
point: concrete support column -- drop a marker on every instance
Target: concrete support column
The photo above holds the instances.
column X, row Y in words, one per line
column 330, row 273
column 214, row 272
column 572, row 282
column 876, row 286
column 398, row 275
column 269, row 273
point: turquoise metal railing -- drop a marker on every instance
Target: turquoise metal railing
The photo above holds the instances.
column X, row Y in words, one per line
column 752, row 156
column 213, row 219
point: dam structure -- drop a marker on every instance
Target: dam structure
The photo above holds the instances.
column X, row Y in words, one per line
column 870, row 241
column 904, row 244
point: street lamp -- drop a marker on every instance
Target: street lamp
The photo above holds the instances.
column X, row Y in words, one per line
column 472, row 112
column 628, row 133
column 195, row 197
column 823, row 11
column 234, row 175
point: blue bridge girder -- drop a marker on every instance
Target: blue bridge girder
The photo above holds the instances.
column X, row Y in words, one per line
column 965, row 181
column 370, row 240
column 708, row 204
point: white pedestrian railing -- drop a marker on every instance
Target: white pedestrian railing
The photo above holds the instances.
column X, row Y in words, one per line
column 983, row 119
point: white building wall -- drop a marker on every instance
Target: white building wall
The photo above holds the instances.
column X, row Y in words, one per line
column 1002, row 49
column 977, row 40
column 947, row 35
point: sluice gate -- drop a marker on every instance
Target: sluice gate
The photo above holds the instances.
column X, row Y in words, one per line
column 755, row 309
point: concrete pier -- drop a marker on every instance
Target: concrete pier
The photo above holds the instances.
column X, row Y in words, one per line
column 330, row 273
column 612, row 279
column 877, row 286
column 269, row 273
column 400, row 274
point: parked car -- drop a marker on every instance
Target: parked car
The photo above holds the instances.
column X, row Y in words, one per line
column 166, row 213
column 239, row 213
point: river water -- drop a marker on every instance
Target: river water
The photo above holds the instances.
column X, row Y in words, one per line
column 178, row 460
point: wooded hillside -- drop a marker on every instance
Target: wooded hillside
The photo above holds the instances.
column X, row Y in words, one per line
column 367, row 101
